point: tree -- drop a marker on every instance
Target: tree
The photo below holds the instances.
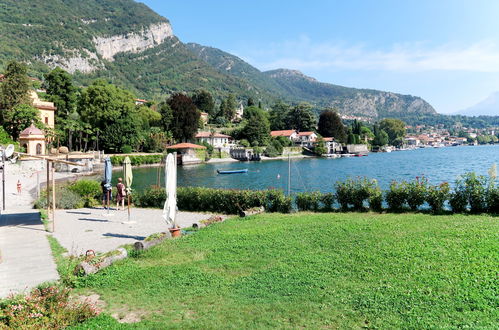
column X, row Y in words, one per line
column 102, row 105
column 277, row 116
column 320, row 147
column 61, row 91
column 395, row 128
column 301, row 118
column 380, row 137
column 251, row 102
column 228, row 108
column 257, row 128
column 185, row 117
column 204, row 102
column 15, row 87
column 21, row 117
column 330, row 125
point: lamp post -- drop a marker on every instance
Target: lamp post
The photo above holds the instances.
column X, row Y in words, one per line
column 2, row 150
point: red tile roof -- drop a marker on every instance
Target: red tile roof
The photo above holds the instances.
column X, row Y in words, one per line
column 305, row 133
column 32, row 130
column 186, row 146
column 328, row 139
column 288, row 133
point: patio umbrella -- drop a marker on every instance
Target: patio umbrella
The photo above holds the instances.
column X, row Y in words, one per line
column 128, row 175
column 108, row 175
column 170, row 208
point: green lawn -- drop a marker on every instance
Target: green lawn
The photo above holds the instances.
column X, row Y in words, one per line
column 313, row 270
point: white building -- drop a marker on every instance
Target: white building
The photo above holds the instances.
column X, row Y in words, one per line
column 217, row 140
column 306, row 139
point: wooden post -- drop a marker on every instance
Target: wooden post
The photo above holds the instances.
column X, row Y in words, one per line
column 53, row 197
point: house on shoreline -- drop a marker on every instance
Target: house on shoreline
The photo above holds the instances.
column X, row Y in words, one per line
column 217, row 140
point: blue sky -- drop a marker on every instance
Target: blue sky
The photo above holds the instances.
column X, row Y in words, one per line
column 444, row 51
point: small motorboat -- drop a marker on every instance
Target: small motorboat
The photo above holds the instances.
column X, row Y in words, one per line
column 244, row 170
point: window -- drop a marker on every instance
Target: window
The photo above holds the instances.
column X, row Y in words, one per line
column 39, row 149
column 46, row 120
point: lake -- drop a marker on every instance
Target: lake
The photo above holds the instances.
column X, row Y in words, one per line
column 320, row 174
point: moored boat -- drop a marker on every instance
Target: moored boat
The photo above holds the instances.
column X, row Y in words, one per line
column 244, row 170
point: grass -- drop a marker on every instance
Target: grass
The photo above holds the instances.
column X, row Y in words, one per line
column 341, row 270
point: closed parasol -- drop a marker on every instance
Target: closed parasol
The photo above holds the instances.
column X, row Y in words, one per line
column 170, row 208
column 128, row 175
column 108, row 175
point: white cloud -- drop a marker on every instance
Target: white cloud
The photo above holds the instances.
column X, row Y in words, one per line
column 305, row 54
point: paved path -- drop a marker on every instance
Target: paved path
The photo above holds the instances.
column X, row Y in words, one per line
column 93, row 229
column 27, row 258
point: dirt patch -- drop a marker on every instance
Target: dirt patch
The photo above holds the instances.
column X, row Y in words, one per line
column 127, row 316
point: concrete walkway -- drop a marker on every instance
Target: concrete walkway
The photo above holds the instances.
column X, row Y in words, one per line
column 94, row 229
column 27, row 258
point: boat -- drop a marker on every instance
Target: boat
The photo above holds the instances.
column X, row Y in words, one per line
column 244, row 170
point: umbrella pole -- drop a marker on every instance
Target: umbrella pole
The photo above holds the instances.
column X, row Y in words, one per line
column 128, row 195
column 108, row 201
column 53, row 198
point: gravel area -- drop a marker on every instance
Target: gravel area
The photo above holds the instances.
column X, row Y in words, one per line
column 94, row 229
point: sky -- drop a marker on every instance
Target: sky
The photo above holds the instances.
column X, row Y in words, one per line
column 445, row 51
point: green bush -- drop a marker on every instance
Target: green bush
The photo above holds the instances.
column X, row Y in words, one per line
column 375, row 199
column 396, row 196
column 352, row 194
column 89, row 190
column 416, row 193
column 308, row 201
column 469, row 192
column 126, row 149
column 493, row 199
column 137, row 160
column 436, row 195
column 64, row 199
column 327, row 201
column 217, row 200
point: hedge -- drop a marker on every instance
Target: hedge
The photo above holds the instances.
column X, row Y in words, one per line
column 217, row 200
column 137, row 160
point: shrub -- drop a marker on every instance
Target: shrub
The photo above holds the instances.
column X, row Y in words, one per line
column 126, row 149
column 46, row 307
column 354, row 193
column 458, row 201
column 308, row 201
column 375, row 199
column 217, row 200
column 396, row 196
column 436, row 195
column 493, row 199
column 470, row 191
column 64, row 199
column 137, row 160
column 327, row 201
column 416, row 193
column 89, row 190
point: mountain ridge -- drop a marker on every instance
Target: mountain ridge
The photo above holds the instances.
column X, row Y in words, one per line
column 128, row 43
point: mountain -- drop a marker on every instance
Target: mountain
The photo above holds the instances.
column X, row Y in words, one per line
column 292, row 85
column 487, row 107
column 126, row 42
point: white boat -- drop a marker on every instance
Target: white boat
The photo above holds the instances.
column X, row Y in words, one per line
column 331, row 156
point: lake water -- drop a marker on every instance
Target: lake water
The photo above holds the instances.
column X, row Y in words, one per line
column 320, row 174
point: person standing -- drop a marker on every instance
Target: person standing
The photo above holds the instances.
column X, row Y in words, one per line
column 106, row 194
column 19, row 187
column 120, row 194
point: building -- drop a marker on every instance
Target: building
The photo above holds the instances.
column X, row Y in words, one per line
column 204, row 117
column 217, row 140
column 189, row 153
column 332, row 146
column 32, row 139
column 47, row 109
column 306, row 139
column 290, row 134
column 140, row 101
column 239, row 113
